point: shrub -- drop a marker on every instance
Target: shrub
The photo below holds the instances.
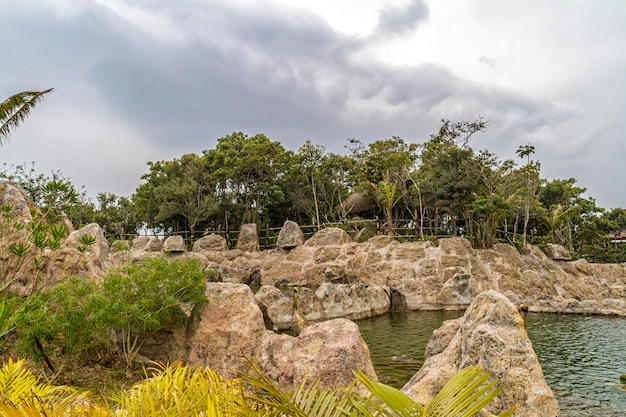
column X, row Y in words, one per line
column 141, row 299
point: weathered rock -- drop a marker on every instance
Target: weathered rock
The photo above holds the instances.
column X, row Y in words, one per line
column 356, row 301
column 329, row 236
column 75, row 257
column 329, row 352
column 146, row 244
column 211, row 243
column 248, row 238
column 174, row 244
column 13, row 195
column 490, row 334
column 556, row 252
column 231, row 324
column 290, row 236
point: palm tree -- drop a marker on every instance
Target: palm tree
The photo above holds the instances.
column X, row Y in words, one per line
column 15, row 109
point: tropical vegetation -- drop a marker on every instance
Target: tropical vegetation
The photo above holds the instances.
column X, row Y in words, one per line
column 177, row 390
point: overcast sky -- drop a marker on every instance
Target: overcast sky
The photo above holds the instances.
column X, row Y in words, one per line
column 148, row 80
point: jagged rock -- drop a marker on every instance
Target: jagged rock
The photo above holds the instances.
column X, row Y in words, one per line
column 242, row 269
column 174, row 244
column 13, row 195
column 76, row 258
column 329, row 236
column 231, row 324
column 491, row 334
column 211, row 243
column 556, row 252
column 328, row 352
column 356, row 301
column 290, row 236
column 146, row 244
column 248, row 238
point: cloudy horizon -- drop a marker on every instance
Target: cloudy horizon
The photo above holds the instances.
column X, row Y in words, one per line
column 139, row 81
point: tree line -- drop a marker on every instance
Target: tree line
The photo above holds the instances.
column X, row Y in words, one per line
column 440, row 187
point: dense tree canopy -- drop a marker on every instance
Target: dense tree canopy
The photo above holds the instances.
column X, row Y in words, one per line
column 441, row 187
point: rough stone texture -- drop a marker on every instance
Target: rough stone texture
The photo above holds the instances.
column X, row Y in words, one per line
column 248, row 238
column 232, row 324
column 329, row 352
column 211, row 243
column 89, row 261
column 556, row 252
column 12, row 194
column 290, row 236
column 329, row 301
column 174, row 244
column 490, row 334
column 329, row 236
column 422, row 276
column 146, row 244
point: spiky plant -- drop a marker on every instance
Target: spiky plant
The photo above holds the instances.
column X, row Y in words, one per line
column 177, row 390
column 23, row 394
column 15, row 109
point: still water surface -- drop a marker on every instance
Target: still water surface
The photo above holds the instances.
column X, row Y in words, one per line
column 581, row 356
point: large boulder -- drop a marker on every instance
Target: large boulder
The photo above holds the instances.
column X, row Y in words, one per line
column 231, row 325
column 146, row 244
column 248, row 240
column 290, row 236
column 211, row 243
column 556, row 252
column 329, row 236
column 13, row 195
column 491, row 334
column 328, row 352
column 174, row 244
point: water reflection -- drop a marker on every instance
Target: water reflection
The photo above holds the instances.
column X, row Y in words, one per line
column 580, row 355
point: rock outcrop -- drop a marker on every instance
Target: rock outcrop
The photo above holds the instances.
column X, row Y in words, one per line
column 248, row 238
column 290, row 236
column 491, row 334
column 328, row 301
column 231, row 326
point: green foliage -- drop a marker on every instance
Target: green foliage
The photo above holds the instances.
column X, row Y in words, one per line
column 65, row 320
column 15, row 109
column 142, row 298
column 176, row 390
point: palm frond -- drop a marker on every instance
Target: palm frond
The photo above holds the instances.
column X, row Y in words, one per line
column 16, row 108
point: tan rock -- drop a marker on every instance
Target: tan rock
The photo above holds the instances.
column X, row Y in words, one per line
column 329, row 236
column 556, row 252
column 290, row 236
column 231, row 324
column 210, row 243
column 174, row 244
column 328, row 352
column 490, row 334
column 248, row 240
column 146, row 244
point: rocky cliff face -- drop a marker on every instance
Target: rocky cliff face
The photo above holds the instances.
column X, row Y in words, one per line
column 356, row 277
column 491, row 334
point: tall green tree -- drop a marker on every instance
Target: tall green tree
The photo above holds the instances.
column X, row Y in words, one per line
column 250, row 174
column 15, row 109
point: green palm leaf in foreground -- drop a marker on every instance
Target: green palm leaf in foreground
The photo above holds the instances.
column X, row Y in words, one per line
column 16, row 108
column 463, row 396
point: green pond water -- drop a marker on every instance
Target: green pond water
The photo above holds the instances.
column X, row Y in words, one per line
column 582, row 357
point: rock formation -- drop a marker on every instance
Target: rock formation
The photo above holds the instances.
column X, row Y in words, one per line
column 231, row 326
column 248, row 238
column 490, row 334
column 290, row 236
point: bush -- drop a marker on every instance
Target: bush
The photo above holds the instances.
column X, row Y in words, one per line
column 158, row 293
